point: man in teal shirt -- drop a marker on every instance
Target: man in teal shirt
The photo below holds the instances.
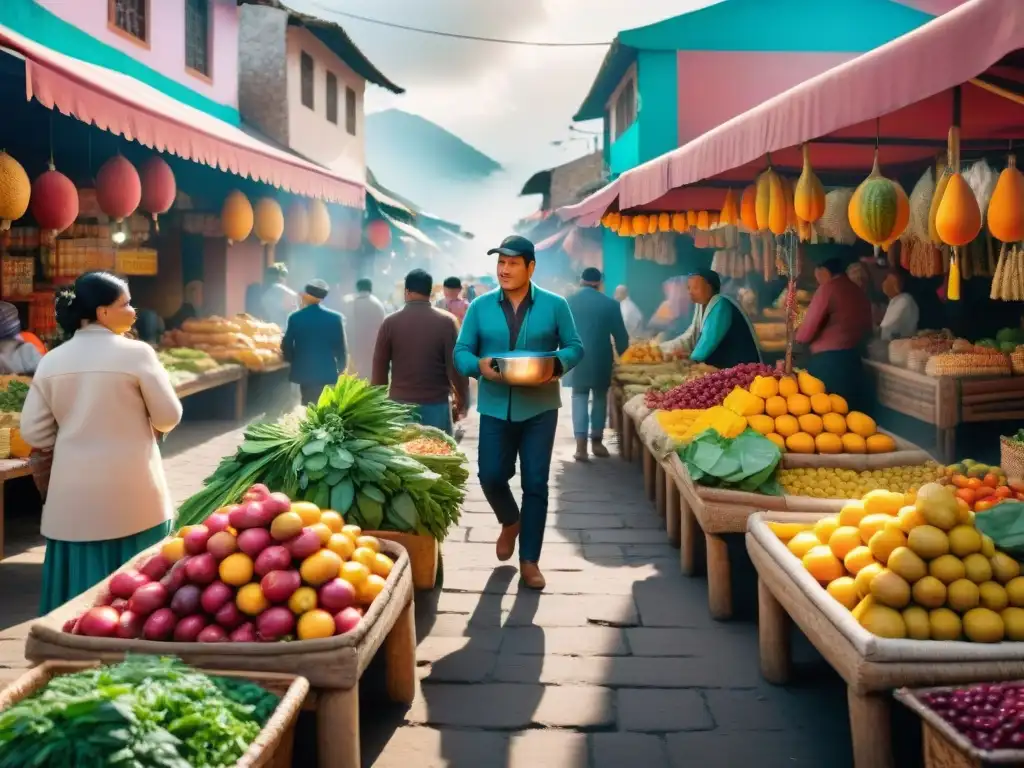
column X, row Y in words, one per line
column 517, row 421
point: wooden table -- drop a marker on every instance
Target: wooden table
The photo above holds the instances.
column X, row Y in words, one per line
column 10, row 469
column 871, row 666
column 946, row 402
column 233, row 374
column 333, row 665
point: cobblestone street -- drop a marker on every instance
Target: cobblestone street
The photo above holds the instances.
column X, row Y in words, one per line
column 617, row 663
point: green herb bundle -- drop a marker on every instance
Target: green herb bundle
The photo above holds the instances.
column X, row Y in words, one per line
column 12, row 399
column 146, row 712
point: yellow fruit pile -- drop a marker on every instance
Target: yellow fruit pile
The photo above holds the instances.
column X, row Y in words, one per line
column 642, row 352
column 677, row 423
column 835, row 483
column 797, row 415
column 913, row 567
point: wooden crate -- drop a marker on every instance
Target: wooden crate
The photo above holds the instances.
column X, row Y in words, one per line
column 424, row 553
column 272, row 747
column 333, row 665
column 871, row 666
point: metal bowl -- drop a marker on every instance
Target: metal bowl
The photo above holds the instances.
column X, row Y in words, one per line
column 526, row 371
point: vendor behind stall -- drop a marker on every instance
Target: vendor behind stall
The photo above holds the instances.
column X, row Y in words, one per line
column 902, row 314
column 720, row 334
column 836, row 325
column 17, row 355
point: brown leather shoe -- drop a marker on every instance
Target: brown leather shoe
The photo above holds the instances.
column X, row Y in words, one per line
column 597, row 448
column 581, row 450
column 506, row 545
column 531, row 575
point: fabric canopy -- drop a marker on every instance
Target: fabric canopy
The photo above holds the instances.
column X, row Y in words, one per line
column 409, row 231
column 123, row 105
column 902, row 90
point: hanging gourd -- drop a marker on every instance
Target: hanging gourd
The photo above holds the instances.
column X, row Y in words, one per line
column 652, row 224
column 118, row 188
column 730, row 210
column 378, row 234
column 616, row 217
column 874, row 208
column 748, row 208
column 713, row 219
column 640, row 224
column 626, row 226
column 809, row 194
column 958, row 217
column 54, row 201
column 703, row 221
column 606, row 220
column 691, row 219
column 679, row 223
column 787, row 190
column 158, row 187
column 763, row 202
column 664, row 222
column 902, row 215
column 268, row 221
column 15, row 191
column 942, row 175
column 236, row 217
column 1006, row 208
column 804, row 230
column 296, row 223
column 778, row 208
column 319, row 223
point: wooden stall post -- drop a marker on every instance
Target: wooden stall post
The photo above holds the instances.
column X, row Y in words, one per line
column 627, row 437
column 688, row 533
column 719, row 577
column 649, row 463
column 870, row 729
column 400, row 657
column 673, row 508
column 773, row 628
column 337, row 728
column 659, row 488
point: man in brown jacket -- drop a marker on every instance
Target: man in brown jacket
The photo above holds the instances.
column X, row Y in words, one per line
column 414, row 346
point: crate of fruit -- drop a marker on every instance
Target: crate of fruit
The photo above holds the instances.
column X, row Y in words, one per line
column 970, row 726
column 77, row 713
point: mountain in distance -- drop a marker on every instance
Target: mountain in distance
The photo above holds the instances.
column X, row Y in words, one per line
column 424, row 162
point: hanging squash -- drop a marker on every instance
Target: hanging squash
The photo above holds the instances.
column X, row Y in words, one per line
column 714, row 219
column 679, row 223
column 730, row 210
column 703, row 221
column 778, row 207
column 652, row 224
column 15, row 191
column 626, row 226
column 809, row 194
column 804, row 230
column 319, row 223
column 748, row 208
column 1006, row 208
column 236, row 217
column 902, row 215
column 158, row 187
column 616, row 218
column 640, row 224
column 873, row 209
column 378, row 234
column 942, row 175
column 691, row 219
column 763, row 202
column 118, row 188
column 664, row 222
column 54, row 201
column 296, row 223
column 606, row 221
column 268, row 221
column 958, row 219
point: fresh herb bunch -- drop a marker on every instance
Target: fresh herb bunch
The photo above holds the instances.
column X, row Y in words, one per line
column 146, row 712
column 13, row 397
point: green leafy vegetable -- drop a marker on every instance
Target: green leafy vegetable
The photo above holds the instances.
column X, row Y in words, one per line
column 1004, row 524
column 747, row 462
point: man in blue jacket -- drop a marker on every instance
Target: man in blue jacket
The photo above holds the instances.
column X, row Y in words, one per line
column 517, row 421
column 314, row 344
column 599, row 319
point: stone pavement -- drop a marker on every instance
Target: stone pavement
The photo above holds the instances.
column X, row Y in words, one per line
column 616, row 663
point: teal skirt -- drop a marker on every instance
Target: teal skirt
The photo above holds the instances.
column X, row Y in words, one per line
column 72, row 567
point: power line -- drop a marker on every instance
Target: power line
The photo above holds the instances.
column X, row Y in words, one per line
column 456, row 35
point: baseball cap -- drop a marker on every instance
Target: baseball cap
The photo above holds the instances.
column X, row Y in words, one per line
column 515, row 245
column 591, row 275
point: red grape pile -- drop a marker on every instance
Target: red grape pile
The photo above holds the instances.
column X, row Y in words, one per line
column 707, row 391
column 991, row 716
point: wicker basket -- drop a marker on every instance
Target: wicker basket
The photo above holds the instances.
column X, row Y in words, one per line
column 424, row 554
column 1011, row 458
column 272, row 747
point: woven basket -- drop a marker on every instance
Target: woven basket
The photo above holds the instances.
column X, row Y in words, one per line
column 1011, row 458
column 272, row 748
column 920, row 206
column 835, row 222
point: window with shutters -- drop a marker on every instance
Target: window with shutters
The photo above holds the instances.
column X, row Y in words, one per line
column 332, row 98
column 306, row 75
column 129, row 18
column 625, row 108
column 350, row 111
column 197, row 36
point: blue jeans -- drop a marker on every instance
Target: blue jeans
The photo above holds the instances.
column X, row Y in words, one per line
column 595, row 418
column 532, row 442
column 434, row 415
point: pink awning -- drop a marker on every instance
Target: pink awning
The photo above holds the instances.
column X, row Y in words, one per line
column 123, row 105
column 907, row 83
column 554, row 240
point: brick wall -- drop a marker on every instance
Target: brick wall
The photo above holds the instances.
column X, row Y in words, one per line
column 567, row 180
